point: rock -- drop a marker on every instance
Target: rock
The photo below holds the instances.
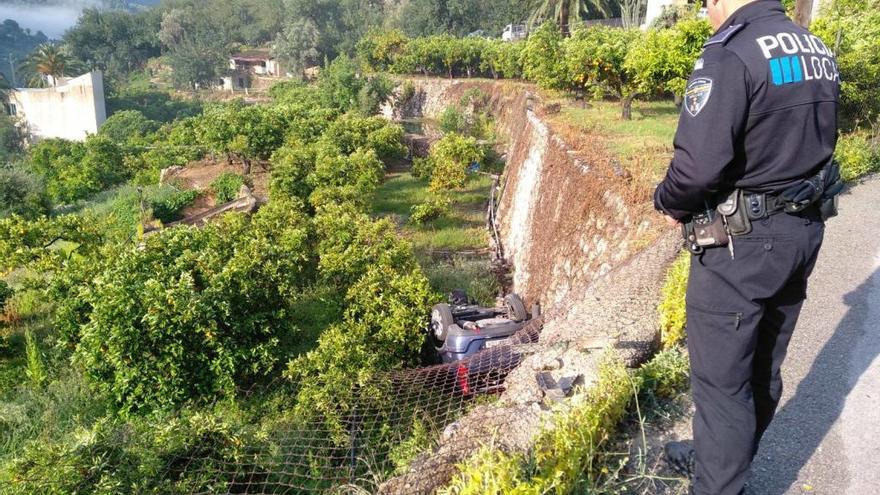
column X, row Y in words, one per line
column 167, row 174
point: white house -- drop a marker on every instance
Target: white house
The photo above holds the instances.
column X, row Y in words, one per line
column 244, row 68
column 70, row 109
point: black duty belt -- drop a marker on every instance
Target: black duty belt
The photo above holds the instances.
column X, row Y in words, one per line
column 762, row 205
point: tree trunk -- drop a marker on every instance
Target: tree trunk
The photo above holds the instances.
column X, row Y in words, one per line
column 678, row 100
column 803, row 10
column 627, row 104
column 247, row 166
column 564, row 13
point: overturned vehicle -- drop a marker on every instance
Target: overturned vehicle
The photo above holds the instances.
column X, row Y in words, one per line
column 461, row 328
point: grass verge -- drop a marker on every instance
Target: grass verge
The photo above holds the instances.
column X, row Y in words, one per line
column 448, row 247
column 570, row 455
column 643, row 145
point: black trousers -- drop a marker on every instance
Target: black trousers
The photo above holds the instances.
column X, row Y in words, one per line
column 741, row 313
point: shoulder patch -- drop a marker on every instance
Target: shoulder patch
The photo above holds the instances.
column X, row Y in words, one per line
column 697, row 95
column 724, row 35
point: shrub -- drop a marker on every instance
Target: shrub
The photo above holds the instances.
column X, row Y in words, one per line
column 74, row 171
column 451, row 156
column 226, row 187
column 5, row 294
column 183, row 453
column 291, row 165
column 541, row 55
column 570, row 456
column 422, row 167
column 349, row 242
column 127, row 125
column 379, row 50
column 22, row 193
column 564, row 459
column 361, row 171
column 387, row 141
column 168, row 202
column 666, row 374
column 374, row 94
column 11, row 138
column 193, row 313
column 386, row 309
column 595, row 58
column 432, row 208
column 663, row 59
column 339, row 85
column 246, row 132
column 852, row 30
column 858, row 155
column 452, row 120
column 154, row 104
column 672, row 302
column 502, row 59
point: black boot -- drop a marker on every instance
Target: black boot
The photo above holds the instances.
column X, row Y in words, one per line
column 680, row 457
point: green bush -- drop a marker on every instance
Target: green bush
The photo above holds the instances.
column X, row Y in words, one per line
column 665, row 375
column 379, row 50
column 852, row 30
column 858, row 154
column 432, row 208
column 21, row 193
column 387, row 141
column 451, row 156
column 541, row 57
column 664, row 58
column 571, row 456
column 503, row 59
column 168, row 202
column 193, row 313
column 226, row 187
column 422, row 167
column 183, row 453
column 5, row 294
column 127, row 125
column 245, row 132
column 596, row 58
column 74, row 171
column 372, row 95
column 339, row 84
column 566, row 457
column 340, row 178
column 672, row 302
column 291, row 166
column 154, row 104
column 11, row 139
column 349, row 242
column 452, row 120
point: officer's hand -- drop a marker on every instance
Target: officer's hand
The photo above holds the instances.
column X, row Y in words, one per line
column 671, row 221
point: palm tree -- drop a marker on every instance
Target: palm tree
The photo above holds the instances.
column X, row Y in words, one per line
column 46, row 61
column 567, row 13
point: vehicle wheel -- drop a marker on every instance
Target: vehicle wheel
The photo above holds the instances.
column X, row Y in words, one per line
column 516, row 309
column 441, row 319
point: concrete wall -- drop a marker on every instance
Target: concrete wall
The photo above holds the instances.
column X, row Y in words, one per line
column 72, row 110
column 566, row 214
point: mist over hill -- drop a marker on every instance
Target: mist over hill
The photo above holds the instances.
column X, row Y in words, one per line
column 55, row 17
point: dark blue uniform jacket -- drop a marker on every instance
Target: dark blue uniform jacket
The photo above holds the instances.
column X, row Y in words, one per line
column 759, row 112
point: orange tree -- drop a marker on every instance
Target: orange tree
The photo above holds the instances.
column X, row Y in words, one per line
column 595, row 59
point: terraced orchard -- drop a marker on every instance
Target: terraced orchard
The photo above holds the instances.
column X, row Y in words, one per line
column 286, row 350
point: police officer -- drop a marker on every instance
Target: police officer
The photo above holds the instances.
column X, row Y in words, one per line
column 759, row 115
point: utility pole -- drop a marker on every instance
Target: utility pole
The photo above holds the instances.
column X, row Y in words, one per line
column 803, row 12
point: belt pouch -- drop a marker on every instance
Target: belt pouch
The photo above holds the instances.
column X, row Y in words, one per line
column 734, row 212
